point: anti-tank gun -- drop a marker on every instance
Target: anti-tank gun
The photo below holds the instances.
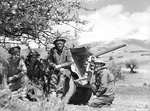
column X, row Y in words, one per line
column 85, row 76
column 83, row 69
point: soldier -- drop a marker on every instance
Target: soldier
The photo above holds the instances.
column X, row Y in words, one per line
column 60, row 59
column 16, row 71
column 35, row 72
column 103, row 86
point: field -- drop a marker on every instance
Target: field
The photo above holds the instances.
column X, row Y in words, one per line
column 132, row 94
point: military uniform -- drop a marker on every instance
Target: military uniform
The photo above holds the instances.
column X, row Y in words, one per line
column 35, row 72
column 103, row 88
column 63, row 58
column 15, row 71
column 18, row 72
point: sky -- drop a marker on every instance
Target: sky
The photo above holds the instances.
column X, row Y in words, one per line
column 112, row 20
column 116, row 19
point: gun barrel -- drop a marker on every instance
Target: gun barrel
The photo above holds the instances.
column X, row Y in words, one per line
column 110, row 50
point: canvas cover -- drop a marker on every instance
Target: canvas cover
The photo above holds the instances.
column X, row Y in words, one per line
column 79, row 56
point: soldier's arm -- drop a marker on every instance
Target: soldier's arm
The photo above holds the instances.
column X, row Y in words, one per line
column 103, row 85
column 93, row 87
column 68, row 61
column 41, row 73
column 22, row 68
column 51, row 59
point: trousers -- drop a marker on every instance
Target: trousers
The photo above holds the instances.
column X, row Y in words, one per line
column 19, row 83
column 63, row 73
column 100, row 101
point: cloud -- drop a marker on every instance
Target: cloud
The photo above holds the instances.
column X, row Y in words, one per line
column 148, row 9
column 113, row 22
column 110, row 23
column 86, row 1
column 91, row 2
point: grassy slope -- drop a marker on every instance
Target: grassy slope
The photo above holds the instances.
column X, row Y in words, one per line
column 131, row 95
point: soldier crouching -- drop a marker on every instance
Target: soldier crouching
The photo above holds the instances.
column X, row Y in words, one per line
column 103, row 87
column 35, row 74
column 60, row 59
column 16, row 72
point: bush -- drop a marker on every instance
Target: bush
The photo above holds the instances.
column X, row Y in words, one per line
column 3, row 57
column 115, row 69
column 10, row 102
column 111, row 58
column 132, row 65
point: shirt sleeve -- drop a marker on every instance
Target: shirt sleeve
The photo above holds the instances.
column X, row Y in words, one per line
column 23, row 69
column 41, row 73
column 103, row 85
column 51, row 59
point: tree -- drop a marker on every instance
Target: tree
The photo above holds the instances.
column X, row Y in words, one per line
column 111, row 58
column 116, row 70
column 23, row 20
column 132, row 65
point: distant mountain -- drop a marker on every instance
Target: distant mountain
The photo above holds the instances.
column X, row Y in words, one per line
column 142, row 43
column 132, row 45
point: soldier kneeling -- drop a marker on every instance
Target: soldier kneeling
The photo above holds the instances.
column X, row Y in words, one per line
column 15, row 73
column 103, row 87
column 35, row 74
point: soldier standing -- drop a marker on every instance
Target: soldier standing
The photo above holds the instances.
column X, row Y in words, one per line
column 103, row 87
column 60, row 59
column 16, row 71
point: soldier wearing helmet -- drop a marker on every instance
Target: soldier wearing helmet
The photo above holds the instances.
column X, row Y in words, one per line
column 34, row 68
column 103, row 87
column 60, row 59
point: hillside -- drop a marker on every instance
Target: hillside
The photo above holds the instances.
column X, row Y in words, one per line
column 129, row 52
column 142, row 43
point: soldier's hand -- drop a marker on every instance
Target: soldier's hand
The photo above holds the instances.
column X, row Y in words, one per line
column 97, row 94
column 57, row 67
column 10, row 79
column 93, row 88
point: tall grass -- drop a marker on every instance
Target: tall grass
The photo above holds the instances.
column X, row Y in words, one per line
column 9, row 103
column 116, row 70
